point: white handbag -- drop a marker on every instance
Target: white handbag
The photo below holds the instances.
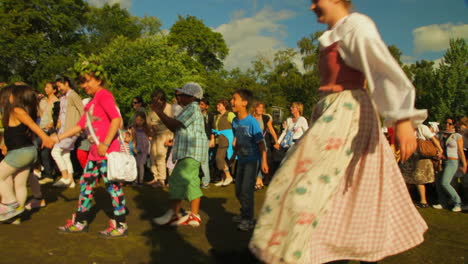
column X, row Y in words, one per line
column 121, row 166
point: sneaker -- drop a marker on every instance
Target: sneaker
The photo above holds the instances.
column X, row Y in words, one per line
column 114, row 231
column 8, row 211
column 37, row 173
column 35, row 203
column 421, row 205
column 168, row 219
column 205, row 186
column 62, row 183
column 227, row 182
column 246, row 225
column 220, row 183
column 456, row 208
column 45, row 180
column 437, row 206
column 237, row 218
column 190, row 219
column 73, row 226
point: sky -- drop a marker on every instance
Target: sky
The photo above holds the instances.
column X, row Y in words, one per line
column 421, row 29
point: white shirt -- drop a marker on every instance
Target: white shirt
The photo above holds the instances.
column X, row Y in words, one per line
column 298, row 127
column 362, row 48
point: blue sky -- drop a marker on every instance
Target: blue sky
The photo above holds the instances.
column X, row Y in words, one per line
column 419, row 28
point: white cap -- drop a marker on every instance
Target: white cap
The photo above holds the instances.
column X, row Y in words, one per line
column 192, row 89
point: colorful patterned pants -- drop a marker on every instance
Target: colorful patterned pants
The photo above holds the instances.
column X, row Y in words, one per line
column 92, row 172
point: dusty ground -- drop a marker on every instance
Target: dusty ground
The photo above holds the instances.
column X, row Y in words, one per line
column 36, row 241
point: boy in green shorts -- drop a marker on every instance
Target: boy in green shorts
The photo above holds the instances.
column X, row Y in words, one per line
column 189, row 151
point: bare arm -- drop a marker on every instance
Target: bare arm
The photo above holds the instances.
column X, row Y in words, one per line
column 406, row 139
column 272, row 132
column 262, row 148
column 437, row 144
column 113, row 129
column 171, row 123
column 22, row 116
column 461, row 154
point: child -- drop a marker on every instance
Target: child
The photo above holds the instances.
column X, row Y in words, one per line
column 190, row 150
column 141, row 131
column 130, row 142
column 250, row 149
column 19, row 115
column 339, row 194
column 106, row 120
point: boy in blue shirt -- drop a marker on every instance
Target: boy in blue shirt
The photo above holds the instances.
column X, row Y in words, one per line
column 250, row 150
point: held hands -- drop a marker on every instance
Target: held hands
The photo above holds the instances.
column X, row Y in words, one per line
column 277, row 146
column 406, row 139
column 49, row 142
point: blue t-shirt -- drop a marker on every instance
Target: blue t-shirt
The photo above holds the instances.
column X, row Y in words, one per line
column 248, row 134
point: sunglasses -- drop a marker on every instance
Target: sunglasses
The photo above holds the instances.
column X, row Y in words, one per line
column 135, row 102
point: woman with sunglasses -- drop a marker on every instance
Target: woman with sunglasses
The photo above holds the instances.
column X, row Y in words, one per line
column 138, row 106
column 453, row 150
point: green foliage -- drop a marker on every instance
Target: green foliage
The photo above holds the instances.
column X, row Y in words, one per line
column 138, row 67
column 199, row 41
column 39, row 38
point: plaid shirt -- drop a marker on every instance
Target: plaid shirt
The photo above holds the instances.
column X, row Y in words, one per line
column 190, row 139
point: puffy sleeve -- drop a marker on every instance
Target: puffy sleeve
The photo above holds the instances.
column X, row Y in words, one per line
column 393, row 93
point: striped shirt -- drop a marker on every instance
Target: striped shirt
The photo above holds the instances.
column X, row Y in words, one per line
column 190, row 139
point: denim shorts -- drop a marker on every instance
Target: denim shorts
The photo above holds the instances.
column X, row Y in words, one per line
column 21, row 158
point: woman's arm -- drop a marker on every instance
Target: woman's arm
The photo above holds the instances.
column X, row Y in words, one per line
column 404, row 134
column 24, row 118
column 461, row 154
column 272, row 132
column 113, row 129
column 437, row 144
column 70, row 132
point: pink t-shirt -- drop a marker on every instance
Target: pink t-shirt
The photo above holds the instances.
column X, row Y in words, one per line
column 102, row 109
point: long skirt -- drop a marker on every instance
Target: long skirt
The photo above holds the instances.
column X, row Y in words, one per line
column 339, row 193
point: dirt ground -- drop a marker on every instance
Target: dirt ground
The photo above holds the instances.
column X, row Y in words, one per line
column 35, row 240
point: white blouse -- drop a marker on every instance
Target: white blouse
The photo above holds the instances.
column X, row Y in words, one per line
column 299, row 128
column 361, row 47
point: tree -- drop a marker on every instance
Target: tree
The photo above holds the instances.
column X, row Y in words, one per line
column 149, row 25
column 199, row 41
column 452, row 80
column 39, row 38
column 106, row 23
column 138, row 67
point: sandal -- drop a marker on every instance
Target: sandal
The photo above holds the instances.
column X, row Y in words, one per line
column 259, row 187
column 422, row 205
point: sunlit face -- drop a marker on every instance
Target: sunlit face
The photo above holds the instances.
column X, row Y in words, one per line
column 139, row 121
column 294, row 110
column 48, row 89
column 237, row 103
column 449, row 124
column 127, row 137
column 203, row 106
column 220, row 107
column 136, row 104
column 260, row 109
column 91, row 85
column 63, row 87
column 322, row 9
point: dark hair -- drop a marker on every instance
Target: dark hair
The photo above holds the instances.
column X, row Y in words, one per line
column 246, row 95
column 65, row 79
column 23, row 97
column 5, row 93
column 159, row 94
column 205, row 100
column 139, row 99
column 224, row 102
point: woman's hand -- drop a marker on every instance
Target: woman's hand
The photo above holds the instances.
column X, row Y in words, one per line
column 406, row 140
column 102, row 149
column 49, row 142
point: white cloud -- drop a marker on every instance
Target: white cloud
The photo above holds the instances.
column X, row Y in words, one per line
column 436, row 37
column 123, row 3
column 248, row 37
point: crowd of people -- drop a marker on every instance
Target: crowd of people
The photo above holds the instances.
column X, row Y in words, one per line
column 335, row 191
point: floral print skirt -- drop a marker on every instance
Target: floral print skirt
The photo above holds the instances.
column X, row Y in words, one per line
column 339, row 193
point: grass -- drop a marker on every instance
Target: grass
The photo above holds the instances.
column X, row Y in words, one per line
column 36, row 239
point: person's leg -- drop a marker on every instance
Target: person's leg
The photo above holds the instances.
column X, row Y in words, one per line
column 21, row 190
column 87, row 183
column 68, row 162
column 141, row 161
column 238, row 185
column 205, row 166
column 35, row 186
column 61, row 163
column 248, row 189
column 422, row 193
column 451, row 168
column 7, row 192
column 116, row 192
column 161, row 153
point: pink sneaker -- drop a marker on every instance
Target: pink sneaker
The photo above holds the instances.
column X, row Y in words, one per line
column 73, row 226
column 114, row 231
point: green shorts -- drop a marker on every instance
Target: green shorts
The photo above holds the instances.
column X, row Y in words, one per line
column 184, row 182
column 21, row 158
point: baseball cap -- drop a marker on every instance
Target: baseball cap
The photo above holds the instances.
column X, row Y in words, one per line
column 192, row 89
